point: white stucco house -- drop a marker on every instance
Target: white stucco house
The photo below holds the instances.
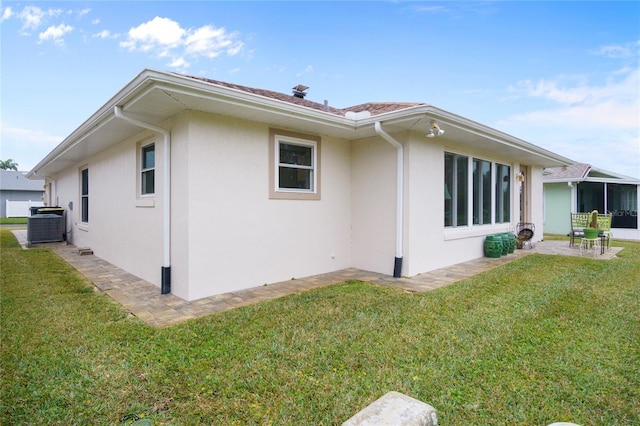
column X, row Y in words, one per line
column 203, row 187
column 584, row 188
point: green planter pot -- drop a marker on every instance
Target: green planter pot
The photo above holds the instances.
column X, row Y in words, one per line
column 511, row 241
column 493, row 246
column 505, row 243
column 590, row 233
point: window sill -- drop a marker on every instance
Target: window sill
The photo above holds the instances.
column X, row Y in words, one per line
column 475, row 231
column 292, row 195
column 145, row 202
column 83, row 227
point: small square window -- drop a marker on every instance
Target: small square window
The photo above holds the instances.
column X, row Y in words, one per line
column 295, row 165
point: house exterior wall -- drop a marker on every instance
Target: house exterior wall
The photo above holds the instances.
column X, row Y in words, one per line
column 227, row 233
column 432, row 245
column 373, row 213
column 424, row 230
column 557, row 208
column 536, row 194
column 122, row 229
column 237, row 236
column 428, row 245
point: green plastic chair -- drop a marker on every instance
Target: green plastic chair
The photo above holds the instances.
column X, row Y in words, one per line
column 579, row 221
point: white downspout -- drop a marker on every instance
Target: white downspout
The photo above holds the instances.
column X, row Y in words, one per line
column 166, row 207
column 397, row 268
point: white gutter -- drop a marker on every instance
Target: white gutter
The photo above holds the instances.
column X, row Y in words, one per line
column 166, row 205
column 397, row 269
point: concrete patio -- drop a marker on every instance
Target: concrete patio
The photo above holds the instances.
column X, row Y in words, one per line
column 144, row 300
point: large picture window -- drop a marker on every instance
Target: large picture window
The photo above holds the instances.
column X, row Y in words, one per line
column 485, row 195
column 295, row 165
column 148, row 169
column 84, row 195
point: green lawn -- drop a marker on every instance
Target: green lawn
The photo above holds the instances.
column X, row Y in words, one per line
column 541, row 339
column 13, row 220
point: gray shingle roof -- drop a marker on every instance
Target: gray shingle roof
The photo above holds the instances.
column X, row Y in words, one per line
column 575, row 171
column 17, row 181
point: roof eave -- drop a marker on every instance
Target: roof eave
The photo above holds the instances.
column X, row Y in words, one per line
column 419, row 117
column 275, row 111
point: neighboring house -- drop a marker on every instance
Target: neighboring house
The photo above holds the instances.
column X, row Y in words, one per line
column 583, row 188
column 203, row 187
column 14, row 186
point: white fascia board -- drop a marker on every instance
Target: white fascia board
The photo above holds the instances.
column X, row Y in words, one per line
column 628, row 180
column 148, row 80
column 562, row 180
column 190, row 86
column 430, row 112
column 612, row 176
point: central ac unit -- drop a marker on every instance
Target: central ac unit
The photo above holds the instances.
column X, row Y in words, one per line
column 45, row 228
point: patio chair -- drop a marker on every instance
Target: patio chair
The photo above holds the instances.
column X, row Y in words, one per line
column 524, row 234
column 604, row 226
column 579, row 221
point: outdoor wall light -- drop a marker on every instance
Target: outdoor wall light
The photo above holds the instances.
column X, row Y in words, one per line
column 435, row 130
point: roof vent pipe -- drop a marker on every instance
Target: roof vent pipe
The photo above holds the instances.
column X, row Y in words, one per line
column 300, row 91
column 397, row 267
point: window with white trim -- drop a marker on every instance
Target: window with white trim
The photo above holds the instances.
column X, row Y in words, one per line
column 147, row 169
column 295, row 163
column 84, row 195
column 481, row 192
column 503, row 193
column 485, row 195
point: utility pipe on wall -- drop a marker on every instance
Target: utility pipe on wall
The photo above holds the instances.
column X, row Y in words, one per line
column 166, row 207
column 397, row 266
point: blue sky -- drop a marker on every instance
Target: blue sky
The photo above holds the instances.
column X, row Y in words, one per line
column 563, row 75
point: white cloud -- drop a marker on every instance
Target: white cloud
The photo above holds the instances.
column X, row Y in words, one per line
column 575, row 101
column 210, row 42
column 180, row 63
column 7, row 13
column 32, row 17
column 157, row 34
column 55, row 34
column 596, row 122
column 105, row 34
column 628, row 50
column 165, row 38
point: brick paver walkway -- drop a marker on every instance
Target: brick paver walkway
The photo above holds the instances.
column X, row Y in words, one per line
column 144, row 300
